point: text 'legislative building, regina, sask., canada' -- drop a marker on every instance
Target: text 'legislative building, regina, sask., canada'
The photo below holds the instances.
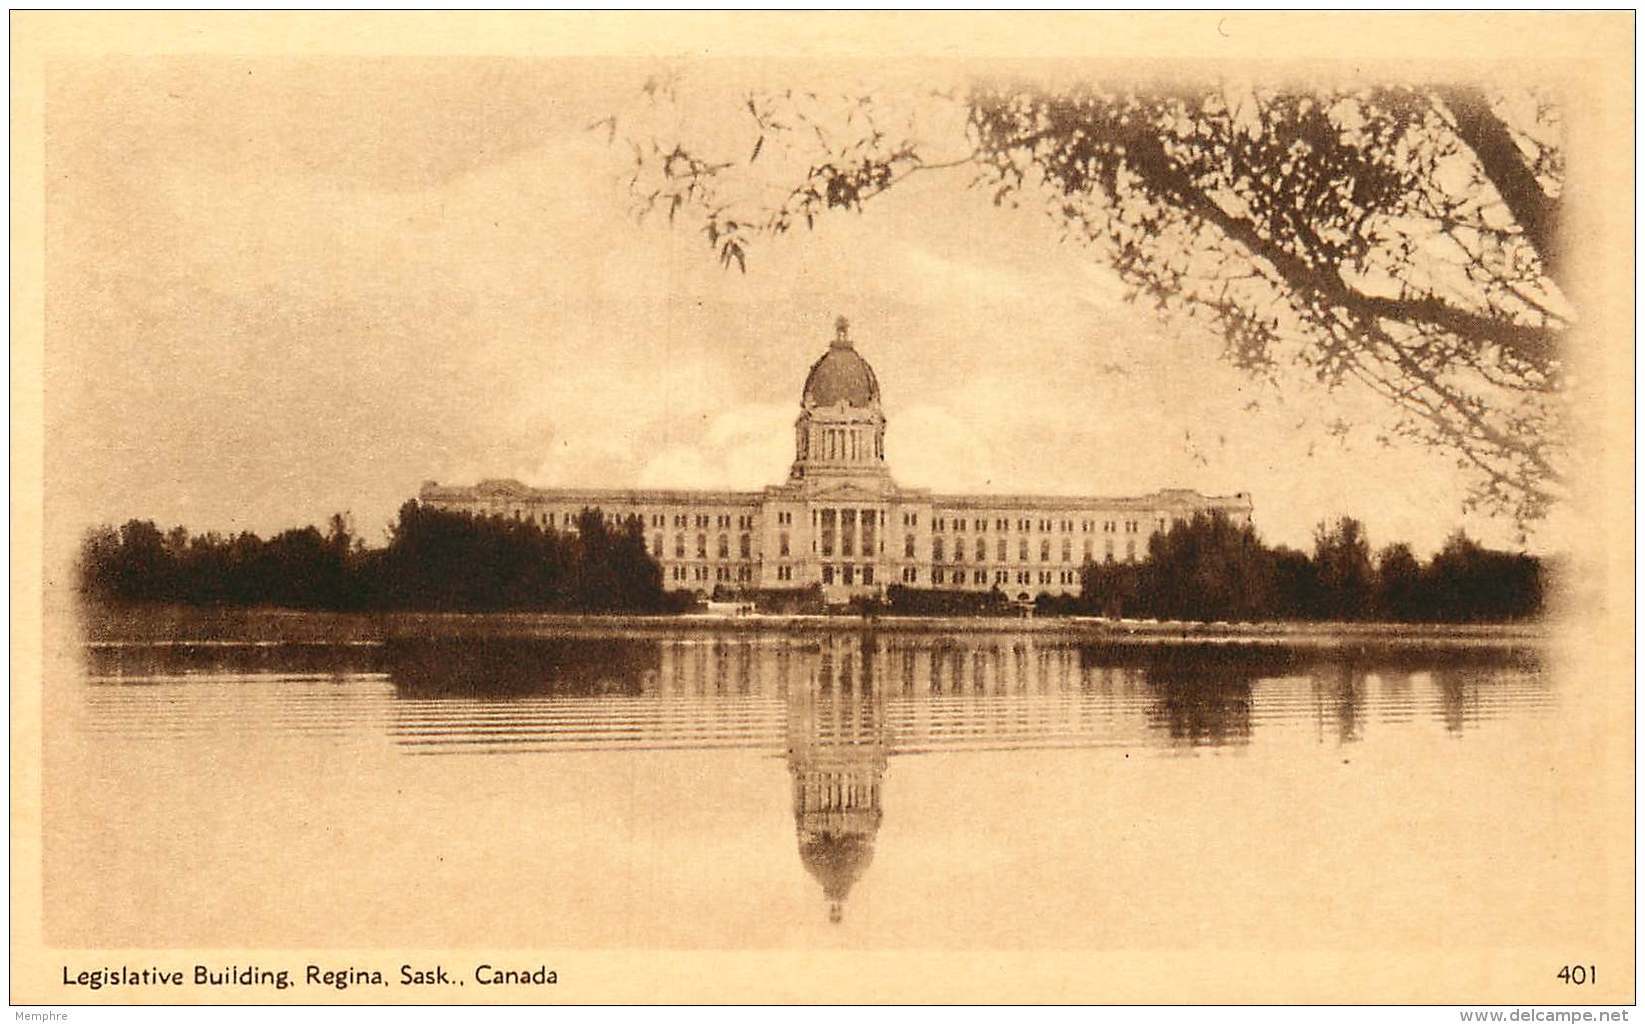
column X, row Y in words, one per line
column 840, row 521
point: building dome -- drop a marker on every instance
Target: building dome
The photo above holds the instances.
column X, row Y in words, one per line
column 841, row 377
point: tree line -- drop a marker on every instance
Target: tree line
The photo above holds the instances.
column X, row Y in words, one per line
column 1204, row 568
column 434, row 560
column 1210, row 568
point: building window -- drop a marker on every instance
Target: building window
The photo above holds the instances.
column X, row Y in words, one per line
column 1022, row 549
column 959, row 526
column 982, row 549
column 679, row 546
column 782, row 544
column 702, row 546
column 828, row 532
column 936, row 549
column 1087, row 549
column 1067, row 550
column 743, row 548
column 657, row 546
column 908, row 546
column 828, row 574
column 1045, row 549
column 936, row 575
column 980, row 577
column 868, row 574
column 723, row 548
column 910, row 574
column 1000, row 576
column 848, row 571
column 1001, row 549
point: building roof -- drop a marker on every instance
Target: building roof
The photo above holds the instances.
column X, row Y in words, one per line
column 841, row 377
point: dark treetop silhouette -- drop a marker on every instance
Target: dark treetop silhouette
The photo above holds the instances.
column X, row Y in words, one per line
column 1204, row 568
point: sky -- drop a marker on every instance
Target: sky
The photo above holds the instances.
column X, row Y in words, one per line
column 282, row 289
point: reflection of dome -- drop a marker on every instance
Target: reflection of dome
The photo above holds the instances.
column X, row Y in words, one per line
column 836, row 759
column 841, row 377
column 836, row 860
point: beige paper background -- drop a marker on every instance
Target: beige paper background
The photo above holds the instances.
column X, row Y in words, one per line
column 1588, row 55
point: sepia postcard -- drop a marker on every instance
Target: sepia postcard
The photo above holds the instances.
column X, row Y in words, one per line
column 823, row 508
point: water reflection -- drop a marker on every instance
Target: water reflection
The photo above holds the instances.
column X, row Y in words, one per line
column 510, row 668
column 837, row 706
column 837, row 748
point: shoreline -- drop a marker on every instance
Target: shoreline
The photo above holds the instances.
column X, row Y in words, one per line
column 202, row 625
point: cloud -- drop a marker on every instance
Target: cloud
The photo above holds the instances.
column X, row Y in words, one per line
column 747, row 447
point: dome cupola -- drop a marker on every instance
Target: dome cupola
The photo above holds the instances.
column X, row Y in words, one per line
column 841, row 431
column 841, row 377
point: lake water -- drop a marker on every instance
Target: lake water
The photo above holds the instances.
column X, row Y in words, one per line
column 841, row 789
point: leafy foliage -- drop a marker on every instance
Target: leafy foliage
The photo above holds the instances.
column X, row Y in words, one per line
column 1208, row 568
column 1402, row 237
column 434, row 560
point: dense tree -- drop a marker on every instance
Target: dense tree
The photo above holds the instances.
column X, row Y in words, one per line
column 1399, row 583
column 1342, row 568
column 1466, row 581
column 1111, row 588
column 1207, row 567
column 1405, row 237
column 434, row 560
column 1296, row 584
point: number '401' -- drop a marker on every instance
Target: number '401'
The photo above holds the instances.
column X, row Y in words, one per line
column 1576, row 974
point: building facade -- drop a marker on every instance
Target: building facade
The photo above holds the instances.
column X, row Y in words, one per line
column 840, row 521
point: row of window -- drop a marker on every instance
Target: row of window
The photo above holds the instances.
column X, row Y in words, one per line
column 980, row 577
column 722, row 548
column 868, row 518
column 847, row 574
column 568, row 519
column 1025, row 525
column 722, row 574
column 1002, row 552
column 745, row 548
